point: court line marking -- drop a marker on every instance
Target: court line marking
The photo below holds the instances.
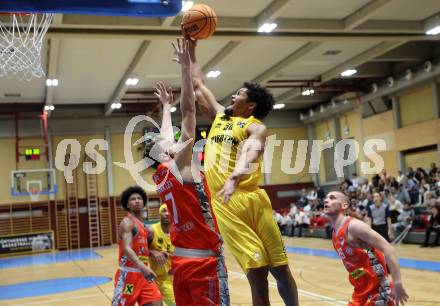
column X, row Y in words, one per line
column 312, row 295
column 66, row 298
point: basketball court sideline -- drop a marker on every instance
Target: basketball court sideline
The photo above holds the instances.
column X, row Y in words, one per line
column 322, row 280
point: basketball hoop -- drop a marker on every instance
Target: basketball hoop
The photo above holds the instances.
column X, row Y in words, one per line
column 34, row 189
column 21, row 40
column 34, row 193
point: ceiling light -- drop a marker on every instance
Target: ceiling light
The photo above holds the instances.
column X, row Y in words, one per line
column 116, row 105
column 186, row 5
column 348, row 72
column 433, row 31
column 132, row 81
column 213, row 74
column 308, row 92
column 173, row 109
column 279, row 106
column 267, row 27
column 52, row 82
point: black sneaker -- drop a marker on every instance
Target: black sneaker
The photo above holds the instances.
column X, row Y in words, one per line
column 424, row 246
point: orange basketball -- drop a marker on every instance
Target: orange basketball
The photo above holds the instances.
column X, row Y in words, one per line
column 200, row 21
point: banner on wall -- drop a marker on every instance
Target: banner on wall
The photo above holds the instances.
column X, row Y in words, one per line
column 27, row 243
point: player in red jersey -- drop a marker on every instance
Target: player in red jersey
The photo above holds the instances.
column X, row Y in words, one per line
column 200, row 276
column 365, row 254
column 134, row 280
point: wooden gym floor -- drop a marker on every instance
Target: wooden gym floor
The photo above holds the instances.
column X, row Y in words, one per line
column 321, row 278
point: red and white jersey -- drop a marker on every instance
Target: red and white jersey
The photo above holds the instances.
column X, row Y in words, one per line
column 139, row 244
column 366, row 267
column 193, row 224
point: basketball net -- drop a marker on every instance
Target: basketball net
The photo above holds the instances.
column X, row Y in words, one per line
column 21, row 40
column 34, row 194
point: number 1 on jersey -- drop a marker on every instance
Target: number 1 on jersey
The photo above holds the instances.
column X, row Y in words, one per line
column 169, row 196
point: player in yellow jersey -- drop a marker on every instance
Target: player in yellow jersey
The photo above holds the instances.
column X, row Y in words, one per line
column 160, row 258
column 243, row 210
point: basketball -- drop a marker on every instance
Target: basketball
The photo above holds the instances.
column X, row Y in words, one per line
column 200, row 21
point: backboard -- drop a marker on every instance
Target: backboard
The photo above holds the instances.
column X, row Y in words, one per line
column 139, row 8
column 33, row 182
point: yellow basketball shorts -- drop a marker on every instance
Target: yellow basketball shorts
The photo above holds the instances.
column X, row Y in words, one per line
column 166, row 288
column 249, row 229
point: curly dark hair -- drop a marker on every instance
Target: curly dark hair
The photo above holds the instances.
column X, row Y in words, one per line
column 126, row 194
column 260, row 95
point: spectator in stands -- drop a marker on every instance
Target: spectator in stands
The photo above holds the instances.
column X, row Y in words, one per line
column 302, row 220
column 433, row 170
column 355, row 180
column 303, row 198
column 320, row 193
column 285, row 220
column 404, row 219
column 312, row 195
column 412, row 188
column 396, row 207
column 402, row 194
column 433, row 225
column 410, row 172
column 293, row 210
column 368, row 200
column 277, row 217
column 399, row 177
column 379, row 217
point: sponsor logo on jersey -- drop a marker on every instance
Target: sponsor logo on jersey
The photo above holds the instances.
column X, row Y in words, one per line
column 241, row 124
column 129, row 288
column 357, row 273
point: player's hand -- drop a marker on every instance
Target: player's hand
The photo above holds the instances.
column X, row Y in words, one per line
column 181, row 50
column 165, row 96
column 159, row 257
column 148, row 273
column 400, row 294
column 228, row 189
column 192, row 41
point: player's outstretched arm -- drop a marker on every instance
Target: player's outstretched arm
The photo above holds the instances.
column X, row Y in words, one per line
column 207, row 102
column 126, row 230
column 252, row 148
column 187, row 104
column 360, row 231
column 166, row 98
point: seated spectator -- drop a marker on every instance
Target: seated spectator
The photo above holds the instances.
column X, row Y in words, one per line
column 284, row 223
column 320, row 193
column 355, row 180
column 404, row 219
column 277, row 217
column 433, row 226
column 312, row 195
column 301, row 221
column 399, row 177
column 303, row 198
column 402, row 194
column 293, row 210
column 396, row 208
column 433, row 170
